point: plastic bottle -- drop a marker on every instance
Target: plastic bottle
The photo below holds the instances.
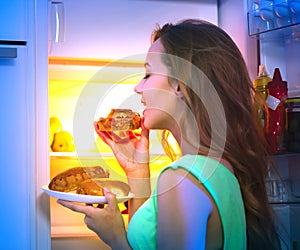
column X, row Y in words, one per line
column 275, row 122
column 260, row 85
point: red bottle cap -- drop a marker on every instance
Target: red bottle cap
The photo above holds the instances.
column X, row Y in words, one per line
column 277, row 80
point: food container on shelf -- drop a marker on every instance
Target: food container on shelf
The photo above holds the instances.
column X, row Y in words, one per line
column 292, row 111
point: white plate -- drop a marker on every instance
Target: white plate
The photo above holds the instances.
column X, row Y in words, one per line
column 90, row 199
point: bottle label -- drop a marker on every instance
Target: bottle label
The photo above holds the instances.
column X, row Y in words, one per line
column 272, row 102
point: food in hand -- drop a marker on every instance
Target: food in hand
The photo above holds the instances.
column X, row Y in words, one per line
column 120, row 120
column 54, row 127
column 63, row 142
column 70, row 179
column 95, row 187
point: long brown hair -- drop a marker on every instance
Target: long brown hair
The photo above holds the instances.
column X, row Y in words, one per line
column 211, row 50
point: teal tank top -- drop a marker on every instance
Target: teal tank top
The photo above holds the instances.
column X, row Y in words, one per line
column 223, row 188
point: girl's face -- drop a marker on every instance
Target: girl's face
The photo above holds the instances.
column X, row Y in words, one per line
column 157, row 94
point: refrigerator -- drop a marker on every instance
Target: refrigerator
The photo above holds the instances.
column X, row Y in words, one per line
column 24, row 113
column 100, row 56
column 71, row 56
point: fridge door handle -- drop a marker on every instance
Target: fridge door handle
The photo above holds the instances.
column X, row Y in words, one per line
column 57, row 21
column 8, row 52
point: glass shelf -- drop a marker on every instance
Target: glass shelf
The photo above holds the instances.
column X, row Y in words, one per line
column 283, row 182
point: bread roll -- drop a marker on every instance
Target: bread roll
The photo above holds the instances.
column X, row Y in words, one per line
column 120, row 120
column 95, row 187
column 71, row 178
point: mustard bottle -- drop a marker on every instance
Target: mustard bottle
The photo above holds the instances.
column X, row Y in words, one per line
column 260, row 85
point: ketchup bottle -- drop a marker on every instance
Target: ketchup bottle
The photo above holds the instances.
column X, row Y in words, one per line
column 275, row 122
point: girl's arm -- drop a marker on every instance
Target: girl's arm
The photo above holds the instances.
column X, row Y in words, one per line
column 183, row 211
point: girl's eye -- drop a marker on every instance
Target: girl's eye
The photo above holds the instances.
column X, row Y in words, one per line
column 146, row 76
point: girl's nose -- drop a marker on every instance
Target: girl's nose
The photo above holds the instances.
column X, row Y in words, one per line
column 139, row 87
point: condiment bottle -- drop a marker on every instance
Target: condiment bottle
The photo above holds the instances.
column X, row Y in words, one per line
column 275, row 122
column 292, row 114
column 260, row 85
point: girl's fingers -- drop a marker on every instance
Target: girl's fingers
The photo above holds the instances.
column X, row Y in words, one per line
column 111, row 199
column 87, row 209
column 75, row 207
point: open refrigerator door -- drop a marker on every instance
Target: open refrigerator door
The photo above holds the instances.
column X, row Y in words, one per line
column 276, row 27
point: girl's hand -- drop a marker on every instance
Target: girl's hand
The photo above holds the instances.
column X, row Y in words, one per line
column 106, row 222
column 131, row 152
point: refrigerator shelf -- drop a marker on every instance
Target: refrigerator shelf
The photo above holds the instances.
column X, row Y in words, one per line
column 259, row 29
column 283, row 182
column 75, row 154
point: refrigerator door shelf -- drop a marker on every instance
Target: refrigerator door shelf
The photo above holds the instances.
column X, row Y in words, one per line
column 273, row 19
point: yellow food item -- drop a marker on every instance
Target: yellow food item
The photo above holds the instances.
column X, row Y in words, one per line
column 55, row 126
column 63, row 142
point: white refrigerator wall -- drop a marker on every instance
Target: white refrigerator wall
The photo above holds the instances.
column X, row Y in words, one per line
column 233, row 19
column 115, row 29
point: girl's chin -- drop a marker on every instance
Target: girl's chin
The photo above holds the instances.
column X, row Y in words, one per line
column 147, row 121
column 152, row 119
column 151, row 124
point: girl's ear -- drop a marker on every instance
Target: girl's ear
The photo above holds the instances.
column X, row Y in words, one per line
column 177, row 89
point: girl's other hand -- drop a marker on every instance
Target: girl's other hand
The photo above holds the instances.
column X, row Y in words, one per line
column 131, row 151
column 106, row 222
